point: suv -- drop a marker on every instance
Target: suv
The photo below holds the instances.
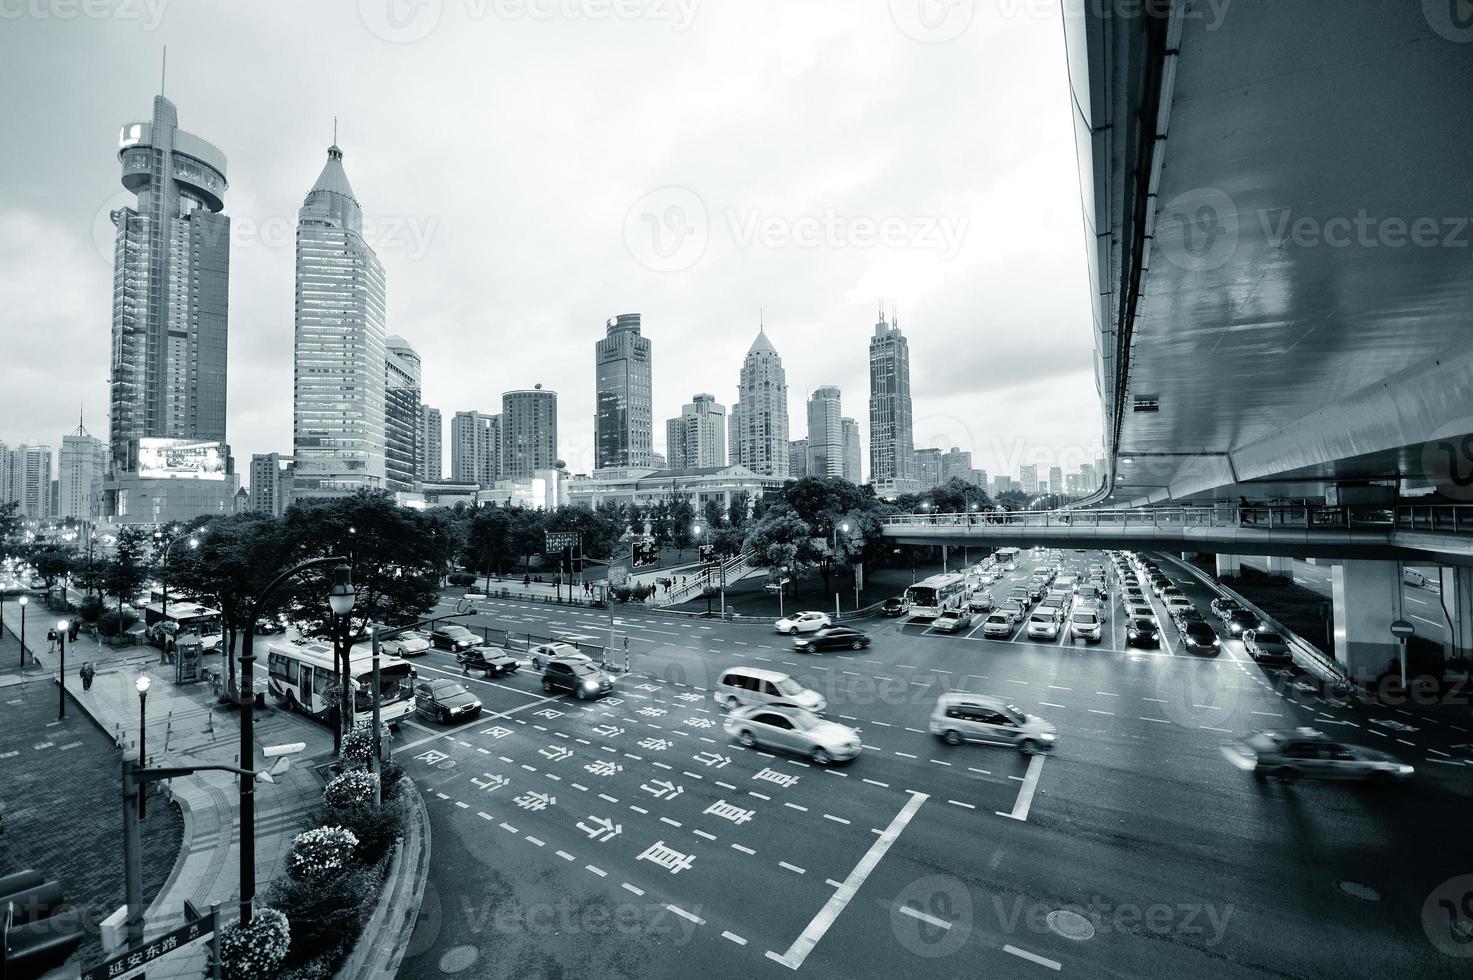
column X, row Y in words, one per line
column 740, row 686
column 445, row 700
column 1084, row 624
column 545, row 653
column 577, row 675
column 960, row 717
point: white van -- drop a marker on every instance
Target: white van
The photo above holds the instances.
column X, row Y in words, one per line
column 741, row 686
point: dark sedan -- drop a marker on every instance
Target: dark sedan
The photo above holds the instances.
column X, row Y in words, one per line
column 1198, row 637
column 1224, row 607
column 893, row 606
column 832, row 638
column 453, row 638
column 1266, row 646
column 1142, row 633
column 1239, row 620
column 445, row 700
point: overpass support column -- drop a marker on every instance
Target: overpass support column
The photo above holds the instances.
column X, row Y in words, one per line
column 1457, row 599
column 1283, row 567
column 1229, row 565
column 1367, row 599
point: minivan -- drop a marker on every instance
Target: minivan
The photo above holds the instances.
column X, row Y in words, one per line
column 739, row 686
column 960, row 717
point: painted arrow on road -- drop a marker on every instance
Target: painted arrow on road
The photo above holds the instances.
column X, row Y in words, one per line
column 603, row 828
column 711, row 759
column 608, row 731
column 662, row 789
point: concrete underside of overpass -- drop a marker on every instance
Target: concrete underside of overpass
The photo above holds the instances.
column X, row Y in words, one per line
column 1278, row 203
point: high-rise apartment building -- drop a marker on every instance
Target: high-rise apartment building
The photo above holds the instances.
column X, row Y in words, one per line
column 979, row 478
column 431, row 434
column 798, row 459
column 25, row 478
column 271, row 483
column 853, row 471
column 1028, row 477
column 624, row 402
column 171, row 284
column 825, row 433
column 79, row 483
column 528, row 432
column 891, row 436
column 1088, row 478
column 927, row 468
column 956, row 465
column 698, row 437
column 401, row 415
column 1001, row 485
column 1055, row 479
column 757, row 435
column 475, row 448
column 338, row 412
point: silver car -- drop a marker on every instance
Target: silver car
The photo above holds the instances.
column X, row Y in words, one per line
column 793, row 729
column 960, row 717
column 545, row 653
column 1306, row 752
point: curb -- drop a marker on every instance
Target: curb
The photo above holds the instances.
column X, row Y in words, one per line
column 385, row 937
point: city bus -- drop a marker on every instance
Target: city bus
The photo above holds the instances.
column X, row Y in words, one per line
column 165, row 629
column 300, row 673
column 930, row 597
column 1007, row 558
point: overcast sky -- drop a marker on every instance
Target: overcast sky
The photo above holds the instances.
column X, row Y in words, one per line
column 529, row 168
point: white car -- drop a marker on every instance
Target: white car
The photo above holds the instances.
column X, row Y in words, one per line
column 803, row 622
column 546, row 652
column 410, row 644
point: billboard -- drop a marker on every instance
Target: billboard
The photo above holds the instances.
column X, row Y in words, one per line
column 180, row 459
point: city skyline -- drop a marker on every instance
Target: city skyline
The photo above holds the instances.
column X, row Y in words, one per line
column 438, row 262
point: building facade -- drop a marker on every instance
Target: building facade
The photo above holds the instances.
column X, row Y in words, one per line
column 798, row 459
column 25, row 478
column 853, row 454
column 475, row 449
column 528, row 432
column 757, row 429
column 82, row 467
column 338, row 410
column 623, row 398
column 646, row 487
column 271, row 483
column 698, row 437
column 402, row 453
column 825, row 433
column 1001, row 485
column 957, row 465
column 170, row 323
column 891, row 433
column 1055, row 479
column 1028, row 477
column 928, row 468
column 431, row 432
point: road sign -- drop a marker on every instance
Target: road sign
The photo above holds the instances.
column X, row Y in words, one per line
column 1402, row 628
column 133, row 962
column 707, row 554
column 559, row 540
column 643, row 552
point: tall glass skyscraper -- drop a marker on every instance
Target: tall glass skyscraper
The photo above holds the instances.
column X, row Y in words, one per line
column 825, row 433
column 528, row 432
column 401, row 415
column 758, row 423
column 171, row 288
column 338, row 395
column 891, row 436
column 624, row 403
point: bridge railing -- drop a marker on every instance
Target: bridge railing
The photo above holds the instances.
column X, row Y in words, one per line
column 1440, row 518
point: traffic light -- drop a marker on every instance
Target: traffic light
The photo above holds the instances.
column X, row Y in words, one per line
column 35, row 937
column 643, row 552
column 707, row 554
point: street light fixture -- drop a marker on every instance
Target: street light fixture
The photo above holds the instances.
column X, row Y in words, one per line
column 142, row 684
column 24, row 601
column 61, row 630
column 340, row 599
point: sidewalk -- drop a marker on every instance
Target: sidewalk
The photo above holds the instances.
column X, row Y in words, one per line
column 186, row 727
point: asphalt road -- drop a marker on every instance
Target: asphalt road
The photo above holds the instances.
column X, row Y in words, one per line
column 629, row 837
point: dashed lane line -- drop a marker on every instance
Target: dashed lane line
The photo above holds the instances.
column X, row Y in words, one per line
column 1032, row 957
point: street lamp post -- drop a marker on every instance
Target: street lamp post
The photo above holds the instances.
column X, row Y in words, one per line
column 834, row 551
column 142, row 685
column 61, row 630
column 341, row 598
column 24, row 601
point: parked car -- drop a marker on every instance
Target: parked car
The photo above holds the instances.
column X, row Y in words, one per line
column 578, row 675
column 952, row 621
column 1084, row 624
column 1042, row 625
column 832, row 638
column 739, row 686
column 453, row 638
column 445, row 700
column 1239, row 620
column 793, row 729
column 1221, row 608
column 998, row 624
column 960, row 717
column 1142, row 632
column 803, row 622
column 544, row 653
column 1306, row 752
column 1266, row 646
column 411, row 644
column 894, row 606
column 1200, row 638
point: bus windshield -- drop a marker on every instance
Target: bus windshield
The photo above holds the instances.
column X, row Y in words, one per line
column 394, row 685
column 921, row 595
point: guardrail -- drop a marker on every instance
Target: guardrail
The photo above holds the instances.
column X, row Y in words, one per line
column 1440, row 518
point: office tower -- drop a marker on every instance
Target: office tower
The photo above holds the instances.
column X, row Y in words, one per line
column 475, row 448
column 852, row 452
column 27, row 472
column 171, row 286
column 956, row 465
column 927, row 468
column 1055, row 480
column 978, row 478
column 798, row 459
column 271, row 483
column 624, row 410
column 758, row 424
column 1028, row 477
column 431, row 431
column 1001, row 485
column 338, row 405
column 83, row 465
column 401, row 415
column 698, row 437
column 891, row 439
column 825, row 433
column 1088, row 478
column 529, row 432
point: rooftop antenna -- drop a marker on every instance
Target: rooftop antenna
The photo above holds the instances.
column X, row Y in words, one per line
column 334, row 130
column 163, row 69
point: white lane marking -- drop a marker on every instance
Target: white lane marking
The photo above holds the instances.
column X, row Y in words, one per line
column 830, row 816
column 969, row 806
column 876, row 782
column 1157, row 700
column 1097, row 711
column 1270, row 714
column 1025, row 795
column 744, row 850
column 917, row 914
column 565, row 855
column 631, row 888
column 905, row 755
column 734, row 938
column 483, row 815
column 534, row 840
column 939, row 762
column 1159, row 721
column 1430, row 622
column 507, row 827
column 1107, row 694
column 791, row 867
column 821, row 922
column 794, row 806
column 702, row 833
column 686, row 915
column 1032, row 957
column 985, row 772
column 1051, row 704
column 639, row 809
column 598, row 871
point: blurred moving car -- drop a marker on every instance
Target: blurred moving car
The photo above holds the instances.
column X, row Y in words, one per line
column 454, row 638
column 1223, row 607
column 269, row 625
column 1239, row 620
column 981, row 601
column 802, row 622
column 793, row 729
column 445, row 700
column 1266, row 646
column 542, row 654
column 578, row 675
column 832, row 638
column 1307, row 752
column 960, row 717
column 952, row 621
column 749, row 686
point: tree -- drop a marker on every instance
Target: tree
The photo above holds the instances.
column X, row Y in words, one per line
column 528, row 533
column 127, row 570
column 712, row 516
column 781, row 540
column 682, row 519
column 489, row 541
column 10, row 520
column 52, row 562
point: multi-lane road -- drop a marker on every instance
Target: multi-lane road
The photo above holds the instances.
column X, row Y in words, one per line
column 630, row 837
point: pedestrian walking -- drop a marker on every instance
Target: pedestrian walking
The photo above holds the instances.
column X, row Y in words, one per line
column 1243, row 510
column 51, row 640
column 87, row 674
column 76, row 628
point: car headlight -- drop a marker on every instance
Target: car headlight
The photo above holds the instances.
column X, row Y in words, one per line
column 590, row 685
column 1047, row 736
column 1404, row 770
